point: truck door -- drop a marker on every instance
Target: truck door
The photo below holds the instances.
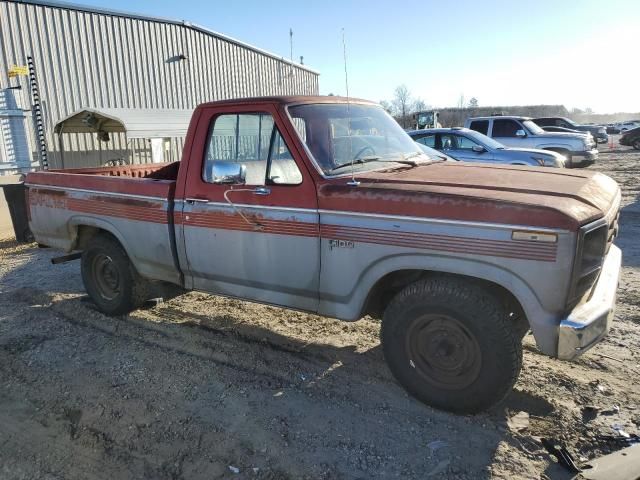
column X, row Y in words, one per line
column 250, row 216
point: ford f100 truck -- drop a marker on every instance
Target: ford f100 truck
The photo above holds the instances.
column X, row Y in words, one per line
column 324, row 204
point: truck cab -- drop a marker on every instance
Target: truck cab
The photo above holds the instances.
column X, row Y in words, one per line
column 522, row 132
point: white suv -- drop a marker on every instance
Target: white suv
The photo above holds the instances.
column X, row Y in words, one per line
column 522, row 132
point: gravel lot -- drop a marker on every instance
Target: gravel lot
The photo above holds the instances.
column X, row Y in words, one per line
column 206, row 387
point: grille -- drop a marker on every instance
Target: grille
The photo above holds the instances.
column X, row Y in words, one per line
column 613, row 231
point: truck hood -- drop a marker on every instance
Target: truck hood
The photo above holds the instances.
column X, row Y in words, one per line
column 515, row 195
column 562, row 135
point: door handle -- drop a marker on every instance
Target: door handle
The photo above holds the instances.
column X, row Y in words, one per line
column 262, row 191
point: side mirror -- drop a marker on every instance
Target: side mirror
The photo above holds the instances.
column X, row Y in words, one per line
column 225, row 173
column 478, row 149
column 521, row 133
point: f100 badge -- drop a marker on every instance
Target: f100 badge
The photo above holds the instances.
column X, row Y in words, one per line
column 340, row 244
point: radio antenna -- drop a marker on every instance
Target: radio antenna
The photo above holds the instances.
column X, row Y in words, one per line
column 291, row 51
column 353, row 182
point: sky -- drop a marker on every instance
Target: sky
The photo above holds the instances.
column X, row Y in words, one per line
column 582, row 54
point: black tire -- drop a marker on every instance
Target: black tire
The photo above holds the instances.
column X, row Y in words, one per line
column 636, row 144
column 110, row 278
column 451, row 344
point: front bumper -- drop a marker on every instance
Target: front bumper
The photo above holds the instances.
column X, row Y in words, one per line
column 586, row 156
column 589, row 322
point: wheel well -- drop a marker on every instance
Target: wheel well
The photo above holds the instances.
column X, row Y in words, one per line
column 392, row 283
column 561, row 151
column 86, row 232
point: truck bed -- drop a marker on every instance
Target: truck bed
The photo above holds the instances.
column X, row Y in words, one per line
column 154, row 180
column 133, row 203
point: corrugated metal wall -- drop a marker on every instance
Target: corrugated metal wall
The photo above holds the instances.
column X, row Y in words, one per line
column 94, row 59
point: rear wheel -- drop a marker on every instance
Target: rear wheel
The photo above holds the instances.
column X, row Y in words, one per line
column 110, row 278
column 451, row 344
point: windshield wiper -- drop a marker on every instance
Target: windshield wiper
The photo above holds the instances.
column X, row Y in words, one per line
column 357, row 161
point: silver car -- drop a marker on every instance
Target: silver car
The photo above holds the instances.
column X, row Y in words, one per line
column 470, row 146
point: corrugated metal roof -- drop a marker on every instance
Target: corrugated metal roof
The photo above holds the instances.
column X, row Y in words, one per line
column 184, row 23
column 136, row 123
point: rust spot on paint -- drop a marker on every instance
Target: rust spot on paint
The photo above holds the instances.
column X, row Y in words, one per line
column 130, row 202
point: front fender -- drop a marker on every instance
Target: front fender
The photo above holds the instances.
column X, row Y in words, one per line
column 350, row 307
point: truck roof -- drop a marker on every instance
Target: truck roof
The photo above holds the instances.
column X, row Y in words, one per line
column 501, row 117
column 292, row 100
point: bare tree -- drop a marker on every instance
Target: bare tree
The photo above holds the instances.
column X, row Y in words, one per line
column 473, row 103
column 419, row 105
column 402, row 103
column 387, row 106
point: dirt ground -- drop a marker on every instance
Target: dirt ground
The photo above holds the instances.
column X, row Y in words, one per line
column 203, row 387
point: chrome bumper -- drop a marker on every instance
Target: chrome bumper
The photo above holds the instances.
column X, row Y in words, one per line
column 588, row 323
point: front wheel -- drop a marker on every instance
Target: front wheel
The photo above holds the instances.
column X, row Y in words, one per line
column 110, row 278
column 451, row 344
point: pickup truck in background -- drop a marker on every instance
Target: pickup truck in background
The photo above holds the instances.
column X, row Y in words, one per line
column 324, row 204
column 522, row 132
column 598, row 132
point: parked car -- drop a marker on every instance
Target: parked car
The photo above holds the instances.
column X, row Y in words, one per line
column 470, row 146
column 631, row 138
column 612, row 128
column 458, row 259
column 522, row 132
column 626, row 126
column 597, row 131
column 435, row 154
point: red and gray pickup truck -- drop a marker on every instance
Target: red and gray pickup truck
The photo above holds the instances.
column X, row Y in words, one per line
column 324, row 204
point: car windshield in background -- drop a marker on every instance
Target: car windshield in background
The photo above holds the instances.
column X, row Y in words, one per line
column 340, row 134
column 532, row 127
column 484, row 140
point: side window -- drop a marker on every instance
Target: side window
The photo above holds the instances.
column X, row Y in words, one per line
column 465, row 143
column 428, row 140
column 481, row 126
column 505, row 128
column 253, row 140
column 449, row 142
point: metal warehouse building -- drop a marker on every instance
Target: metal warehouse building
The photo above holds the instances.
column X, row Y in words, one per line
column 88, row 58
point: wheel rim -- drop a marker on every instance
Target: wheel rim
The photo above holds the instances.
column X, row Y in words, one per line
column 106, row 276
column 443, row 351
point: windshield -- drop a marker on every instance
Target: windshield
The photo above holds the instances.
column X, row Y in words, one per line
column 340, row 134
column 484, row 140
column 570, row 122
column 532, row 127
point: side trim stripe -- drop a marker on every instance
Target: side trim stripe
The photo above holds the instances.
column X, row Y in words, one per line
column 517, row 249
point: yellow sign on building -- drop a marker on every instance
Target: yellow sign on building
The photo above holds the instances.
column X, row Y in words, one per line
column 17, row 70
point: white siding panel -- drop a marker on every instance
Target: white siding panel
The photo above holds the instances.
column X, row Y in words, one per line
column 87, row 58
